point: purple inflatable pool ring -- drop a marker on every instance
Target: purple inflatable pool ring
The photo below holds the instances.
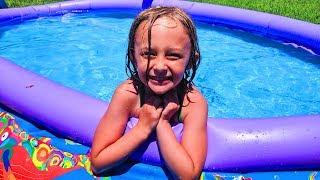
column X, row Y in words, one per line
column 246, row 145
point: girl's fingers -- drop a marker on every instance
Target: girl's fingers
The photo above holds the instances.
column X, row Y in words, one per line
column 137, row 112
column 171, row 106
column 159, row 111
column 169, row 111
column 154, row 106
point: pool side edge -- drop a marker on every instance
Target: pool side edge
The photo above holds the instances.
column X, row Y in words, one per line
column 17, row 15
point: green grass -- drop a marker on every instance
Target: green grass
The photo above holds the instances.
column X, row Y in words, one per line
column 306, row 10
column 21, row 3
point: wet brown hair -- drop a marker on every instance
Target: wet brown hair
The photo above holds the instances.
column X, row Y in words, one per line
column 151, row 15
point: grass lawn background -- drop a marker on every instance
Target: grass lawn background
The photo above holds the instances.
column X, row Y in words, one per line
column 21, row 3
column 306, row 10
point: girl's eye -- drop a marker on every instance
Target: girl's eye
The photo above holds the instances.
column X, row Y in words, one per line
column 174, row 56
column 147, row 53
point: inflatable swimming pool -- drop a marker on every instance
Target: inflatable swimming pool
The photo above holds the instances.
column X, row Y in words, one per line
column 265, row 144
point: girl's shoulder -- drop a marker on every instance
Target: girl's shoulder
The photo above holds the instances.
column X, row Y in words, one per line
column 127, row 87
column 196, row 94
column 128, row 96
column 193, row 102
column 194, row 97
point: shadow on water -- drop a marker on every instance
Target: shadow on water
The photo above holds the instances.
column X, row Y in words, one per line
column 264, row 41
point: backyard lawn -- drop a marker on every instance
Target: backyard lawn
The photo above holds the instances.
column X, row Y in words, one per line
column 20, row 3
column 307, row 10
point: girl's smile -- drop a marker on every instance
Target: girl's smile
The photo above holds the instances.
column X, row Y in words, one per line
column 169, row 54
column 159, row 79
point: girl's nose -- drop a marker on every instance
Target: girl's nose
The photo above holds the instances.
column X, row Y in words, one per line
column 160, row 67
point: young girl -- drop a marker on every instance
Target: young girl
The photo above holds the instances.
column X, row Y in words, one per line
column 162, row 59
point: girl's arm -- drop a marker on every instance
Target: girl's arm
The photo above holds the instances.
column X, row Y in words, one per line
column 110, row 147
column 185, row 159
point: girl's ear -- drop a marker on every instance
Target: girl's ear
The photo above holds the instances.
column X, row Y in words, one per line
column 196, row 58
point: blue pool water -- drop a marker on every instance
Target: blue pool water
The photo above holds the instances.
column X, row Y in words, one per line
column 241, row 75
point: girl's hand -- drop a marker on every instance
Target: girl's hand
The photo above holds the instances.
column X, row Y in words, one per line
column 149, row 114
column 171, row 105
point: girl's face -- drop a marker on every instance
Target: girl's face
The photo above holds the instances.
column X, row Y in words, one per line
column 169, row 54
